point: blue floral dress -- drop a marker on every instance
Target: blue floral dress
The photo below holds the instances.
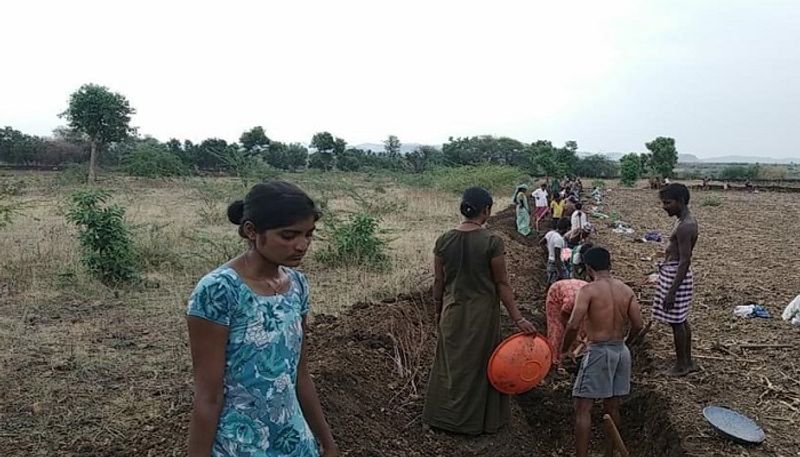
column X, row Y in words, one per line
column 261, row 415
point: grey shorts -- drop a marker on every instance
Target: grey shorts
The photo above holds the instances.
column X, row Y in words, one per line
column 605, row 371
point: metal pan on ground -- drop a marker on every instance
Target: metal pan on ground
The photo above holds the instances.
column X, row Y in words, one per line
column 734, row 425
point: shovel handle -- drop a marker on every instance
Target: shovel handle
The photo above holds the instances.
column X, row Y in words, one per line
column 613, row 433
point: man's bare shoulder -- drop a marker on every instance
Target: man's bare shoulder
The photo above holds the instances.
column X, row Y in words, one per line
column 588, row 289
column 620, row 286
column 687, row 227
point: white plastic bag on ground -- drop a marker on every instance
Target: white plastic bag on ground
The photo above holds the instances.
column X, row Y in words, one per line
column 792, row 311
column 743, row 310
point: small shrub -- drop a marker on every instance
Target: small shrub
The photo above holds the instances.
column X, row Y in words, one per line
column 211, row 210
column 73, row 174
column 739, row 172
column 354, row 242
column 713, row 200
column 154, row 161
column 773, row 172
column 155, row 249
column 248, row 168
column 7, row 211
column 8, row 208
column 599, row 183
column 105, row 239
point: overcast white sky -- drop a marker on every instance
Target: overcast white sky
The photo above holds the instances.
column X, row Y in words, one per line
column 721, row 76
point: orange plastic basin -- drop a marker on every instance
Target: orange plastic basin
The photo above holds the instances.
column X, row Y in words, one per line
column 519, row 363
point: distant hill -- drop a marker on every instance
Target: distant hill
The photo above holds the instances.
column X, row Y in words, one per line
column 378, row 147
column 749, row 159
column 693, row 159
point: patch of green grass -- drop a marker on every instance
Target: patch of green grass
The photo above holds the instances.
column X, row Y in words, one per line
column 494, row 178
column 713, row 200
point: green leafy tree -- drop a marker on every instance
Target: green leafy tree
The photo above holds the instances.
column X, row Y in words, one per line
column 392, row 145
column 328, row 147
column 509, row 151
column 296, row 156
column 323, row 158
column 17, row 147
column 597, row 166
column 321, row 161
column 289, row 157
column 463, row 151
column 571, row 146
column 567, row 158
column 351, row 159
column 646, row 164
column 254, row 140
column 630, row 169
column 323, row 141
column 484, row 149
column 103, row 116
column 424, row 158
column 275, row 155
column 339, row 145
column 545, row 159
column 663, row 156
column 211, row 154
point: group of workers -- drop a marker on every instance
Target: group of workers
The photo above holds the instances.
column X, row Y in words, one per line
column 254, row 394
column 559, row 210
column 591, row 314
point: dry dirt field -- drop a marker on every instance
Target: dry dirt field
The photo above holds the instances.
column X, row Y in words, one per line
column 92, row 371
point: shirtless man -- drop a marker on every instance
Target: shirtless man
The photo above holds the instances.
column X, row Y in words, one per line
column 673, row 298
column 605, row 373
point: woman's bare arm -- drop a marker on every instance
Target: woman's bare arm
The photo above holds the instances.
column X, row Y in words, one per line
column 207, row 341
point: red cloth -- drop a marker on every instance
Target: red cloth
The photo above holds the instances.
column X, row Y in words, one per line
column 541, row 211
column 560, row 299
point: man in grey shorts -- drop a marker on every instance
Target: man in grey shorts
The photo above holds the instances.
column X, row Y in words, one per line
column 608, row 305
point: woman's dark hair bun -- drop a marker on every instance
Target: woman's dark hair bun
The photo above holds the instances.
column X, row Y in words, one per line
column 468, row 210
column 474, row 201
column 236, row 212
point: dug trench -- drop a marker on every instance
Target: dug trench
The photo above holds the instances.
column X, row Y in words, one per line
column 371, row 365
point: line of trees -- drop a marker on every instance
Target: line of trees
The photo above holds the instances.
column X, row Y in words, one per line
column 99, row 131
column 538, row 158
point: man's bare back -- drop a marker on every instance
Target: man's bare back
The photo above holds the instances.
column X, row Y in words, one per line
column 605, row 372
column 610, row 304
